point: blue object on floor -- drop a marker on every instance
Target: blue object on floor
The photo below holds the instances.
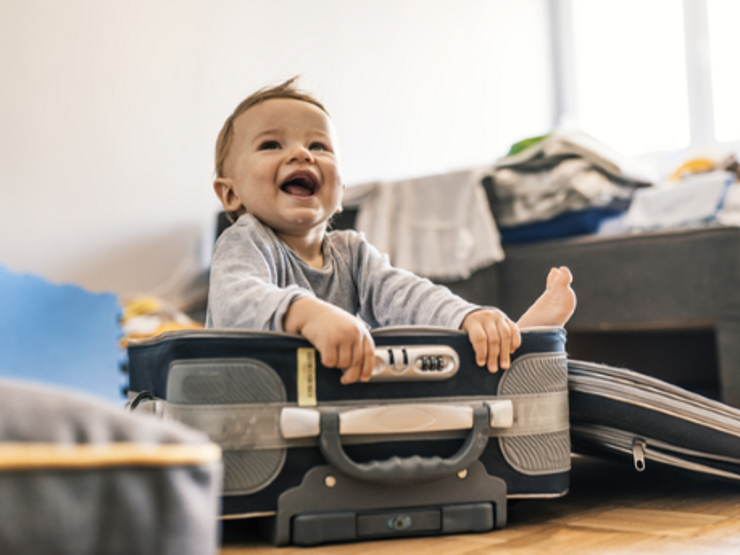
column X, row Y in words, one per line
column 60, row 334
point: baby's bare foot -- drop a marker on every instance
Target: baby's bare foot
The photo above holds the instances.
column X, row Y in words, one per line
column 556, row 305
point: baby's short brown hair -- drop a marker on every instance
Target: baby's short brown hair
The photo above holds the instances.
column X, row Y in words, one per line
column 283, row 90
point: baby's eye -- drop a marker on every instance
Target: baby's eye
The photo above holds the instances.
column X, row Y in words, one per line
column 317, row 146
column 269, row 145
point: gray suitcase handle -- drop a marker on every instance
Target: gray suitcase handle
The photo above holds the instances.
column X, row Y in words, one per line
column 398, row 470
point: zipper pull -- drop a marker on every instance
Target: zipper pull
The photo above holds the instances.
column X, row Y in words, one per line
column 639, row 446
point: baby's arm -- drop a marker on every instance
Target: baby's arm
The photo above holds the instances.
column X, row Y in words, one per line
column 342, row 340
column 494, row 337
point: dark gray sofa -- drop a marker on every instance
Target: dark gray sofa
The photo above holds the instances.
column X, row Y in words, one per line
column 665, row 303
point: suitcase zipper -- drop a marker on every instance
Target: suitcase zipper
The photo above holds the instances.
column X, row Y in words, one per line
column 621, row 441
column 639, row 447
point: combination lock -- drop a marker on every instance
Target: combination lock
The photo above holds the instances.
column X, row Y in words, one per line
column 414, row 363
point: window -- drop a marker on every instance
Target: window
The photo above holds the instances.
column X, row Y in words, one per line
column 648, row 76
column 723, row 16
column 631, row 73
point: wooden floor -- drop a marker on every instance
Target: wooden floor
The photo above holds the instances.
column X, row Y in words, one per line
column 611, row 508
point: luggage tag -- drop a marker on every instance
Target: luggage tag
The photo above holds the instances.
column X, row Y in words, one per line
column 306, row 378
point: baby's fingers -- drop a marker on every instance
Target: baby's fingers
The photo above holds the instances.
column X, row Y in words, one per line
column 346, row 354
column 499, row 334
column 362, row 359
column 351, row 365
column 329, row 354
column 368, row 358
column 486, row 348
column 351, row 374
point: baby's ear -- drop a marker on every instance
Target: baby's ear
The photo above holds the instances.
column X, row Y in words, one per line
column 341, row 198
column 226, row 193
column 340, row 208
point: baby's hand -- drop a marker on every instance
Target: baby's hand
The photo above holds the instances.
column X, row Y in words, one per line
column 494, row 337
column 342, row 340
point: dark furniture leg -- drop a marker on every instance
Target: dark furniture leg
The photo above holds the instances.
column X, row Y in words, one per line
column 728, row 350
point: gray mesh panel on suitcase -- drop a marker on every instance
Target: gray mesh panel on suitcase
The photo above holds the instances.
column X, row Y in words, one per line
column 538, row 453
column 226, row 382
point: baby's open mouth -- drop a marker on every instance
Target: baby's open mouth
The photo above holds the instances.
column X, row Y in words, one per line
column 301, row 184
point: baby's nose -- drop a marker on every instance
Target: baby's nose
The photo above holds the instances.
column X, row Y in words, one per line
column 300, row 153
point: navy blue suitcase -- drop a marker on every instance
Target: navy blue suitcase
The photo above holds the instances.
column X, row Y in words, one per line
column 433, row 444
column 625, row 415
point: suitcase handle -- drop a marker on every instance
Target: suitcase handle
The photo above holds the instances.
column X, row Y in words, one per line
column 397, row 470
column 299, row 422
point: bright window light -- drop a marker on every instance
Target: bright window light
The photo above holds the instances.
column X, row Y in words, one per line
column 631, row 74
column 723, row 18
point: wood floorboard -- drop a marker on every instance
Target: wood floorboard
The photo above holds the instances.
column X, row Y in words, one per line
column 611, row 508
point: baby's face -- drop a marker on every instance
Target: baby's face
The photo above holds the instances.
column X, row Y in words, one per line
column 283, row 166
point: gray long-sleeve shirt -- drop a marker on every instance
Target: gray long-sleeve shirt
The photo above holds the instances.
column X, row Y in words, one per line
column 255, row 277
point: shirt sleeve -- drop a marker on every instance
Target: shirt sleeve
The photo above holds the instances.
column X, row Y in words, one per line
column 391, row 296
column 243, row 290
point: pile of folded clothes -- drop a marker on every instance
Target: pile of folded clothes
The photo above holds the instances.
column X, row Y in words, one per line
column 701, row 191
column 559, row 185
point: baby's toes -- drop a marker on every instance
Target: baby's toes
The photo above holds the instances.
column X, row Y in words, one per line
column 564, row 270
column 563, row 278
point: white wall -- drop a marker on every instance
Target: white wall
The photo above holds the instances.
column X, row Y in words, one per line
column 109, row 111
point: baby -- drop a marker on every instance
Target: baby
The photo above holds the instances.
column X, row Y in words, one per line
column 278, row 268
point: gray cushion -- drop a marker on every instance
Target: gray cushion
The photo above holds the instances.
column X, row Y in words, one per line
column 80, row 476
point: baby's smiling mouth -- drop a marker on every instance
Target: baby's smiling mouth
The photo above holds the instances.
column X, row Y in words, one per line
column 300, row 184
